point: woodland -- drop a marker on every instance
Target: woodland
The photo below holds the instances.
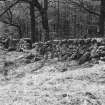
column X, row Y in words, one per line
column 52, row 52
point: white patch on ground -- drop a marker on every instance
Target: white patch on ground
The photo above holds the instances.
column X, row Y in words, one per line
column 48, row 85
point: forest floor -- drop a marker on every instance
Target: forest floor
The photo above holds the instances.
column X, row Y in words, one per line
column 51, row 83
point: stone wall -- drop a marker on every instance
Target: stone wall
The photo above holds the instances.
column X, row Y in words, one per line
column 72, row 49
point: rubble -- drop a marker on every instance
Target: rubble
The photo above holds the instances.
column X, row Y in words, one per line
column 72, row 49
column 32, row 79
column 67, row 49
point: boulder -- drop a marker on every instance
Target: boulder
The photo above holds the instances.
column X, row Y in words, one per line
column 30, row 56
column 84, row 58
column 101, row 51
column 11, row 49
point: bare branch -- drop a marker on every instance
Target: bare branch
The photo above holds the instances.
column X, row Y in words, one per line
column 10, row 24
column 9, row 8
column 85, row 8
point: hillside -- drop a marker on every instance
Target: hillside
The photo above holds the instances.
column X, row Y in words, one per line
column 54, row 83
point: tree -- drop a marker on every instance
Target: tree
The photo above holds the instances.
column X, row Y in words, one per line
column 32, row 16
column 16, row 16
column 8, row 17
column 42, row 10
column 102, row 18
column 100, row 14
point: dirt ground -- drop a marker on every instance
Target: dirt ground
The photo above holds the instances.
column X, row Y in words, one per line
column 54, row 83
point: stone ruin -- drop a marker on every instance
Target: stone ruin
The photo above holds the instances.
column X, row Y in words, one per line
column 81, row 50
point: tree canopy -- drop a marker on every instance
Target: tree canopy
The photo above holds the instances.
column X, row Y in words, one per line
column 65, row 17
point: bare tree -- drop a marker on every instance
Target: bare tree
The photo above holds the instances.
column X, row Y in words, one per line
column 43, row 13
column 102, row 18
column 100, row 14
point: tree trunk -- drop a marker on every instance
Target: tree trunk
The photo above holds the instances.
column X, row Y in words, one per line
column 32, row 16
column 45, row 25
column 102, row 18
column 20, row 32
column 44, row 16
